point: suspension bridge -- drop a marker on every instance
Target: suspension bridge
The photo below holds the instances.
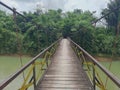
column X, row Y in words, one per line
column 61, row 67
column 64, row 65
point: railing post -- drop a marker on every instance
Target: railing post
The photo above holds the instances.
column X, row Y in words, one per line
column 47, row 62
column 94, row 84
column 34, row 76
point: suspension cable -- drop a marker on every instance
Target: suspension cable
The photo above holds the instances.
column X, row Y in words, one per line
column 111, row 11
column 18, row 40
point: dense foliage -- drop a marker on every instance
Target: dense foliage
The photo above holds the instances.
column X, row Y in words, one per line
column 40, row 29
column 113, row 25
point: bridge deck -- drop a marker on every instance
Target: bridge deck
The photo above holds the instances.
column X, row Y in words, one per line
column 65, row 72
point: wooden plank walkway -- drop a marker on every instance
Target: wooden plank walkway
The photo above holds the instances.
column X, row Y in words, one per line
column 65, row 72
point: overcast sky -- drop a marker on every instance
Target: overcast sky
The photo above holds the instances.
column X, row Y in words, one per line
column 65, row 5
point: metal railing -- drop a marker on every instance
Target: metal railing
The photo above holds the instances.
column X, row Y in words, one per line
column 31, row 78
column 90, row 61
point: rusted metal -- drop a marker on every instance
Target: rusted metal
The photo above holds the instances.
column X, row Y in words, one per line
column 115, row 79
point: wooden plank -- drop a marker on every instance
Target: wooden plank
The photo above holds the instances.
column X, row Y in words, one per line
column 65, row 72
column 64, row 89
column 65, row 76
column 64, row 86
column 65, row 82
column 65, row 79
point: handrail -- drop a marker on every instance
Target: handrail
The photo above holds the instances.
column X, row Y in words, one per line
column 13, row 76
column 115, row 79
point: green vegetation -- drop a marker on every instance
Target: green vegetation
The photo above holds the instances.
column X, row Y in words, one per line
column 43, row 28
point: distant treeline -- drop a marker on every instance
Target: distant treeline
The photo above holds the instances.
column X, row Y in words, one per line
column 43, row 28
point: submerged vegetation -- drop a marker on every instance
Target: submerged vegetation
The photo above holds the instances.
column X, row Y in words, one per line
column 43, row 28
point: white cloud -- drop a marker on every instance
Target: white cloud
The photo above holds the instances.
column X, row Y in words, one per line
column 66, row 5
column 92, row 5
column 10, row 3
column 54, row 4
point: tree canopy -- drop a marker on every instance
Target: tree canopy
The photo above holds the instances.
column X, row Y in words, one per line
column 43, row 28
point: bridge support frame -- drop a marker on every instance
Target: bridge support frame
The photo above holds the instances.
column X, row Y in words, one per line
column 34, row 77
column 94, row 84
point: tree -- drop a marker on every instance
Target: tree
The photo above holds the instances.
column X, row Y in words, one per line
column 113, row 19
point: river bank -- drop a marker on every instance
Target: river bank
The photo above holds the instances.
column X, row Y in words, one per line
column 106, row 58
